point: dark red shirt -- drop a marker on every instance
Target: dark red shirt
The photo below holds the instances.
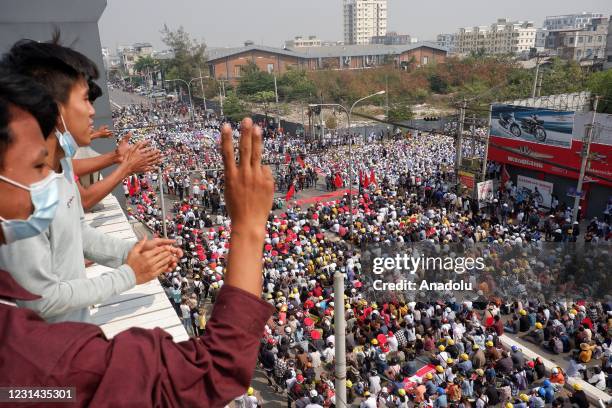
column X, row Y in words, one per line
column 138, row 367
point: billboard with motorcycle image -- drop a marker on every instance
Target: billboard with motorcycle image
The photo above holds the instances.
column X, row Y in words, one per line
column 536, row 125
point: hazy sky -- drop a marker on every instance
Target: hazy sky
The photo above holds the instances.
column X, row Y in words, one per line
column 224, row 23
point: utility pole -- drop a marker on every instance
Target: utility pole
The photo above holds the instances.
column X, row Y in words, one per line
column 221, row 101
column 586, row 151
column 202, row 86
column 539, row 90
column 459, row 144
column 386, row 98
column 277, row 108
column 486, row 142
column 535, row 78
column 160, row 180
column 473, row 136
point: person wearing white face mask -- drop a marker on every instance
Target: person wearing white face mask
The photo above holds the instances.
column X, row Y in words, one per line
column 48, row 251
column 132, row 367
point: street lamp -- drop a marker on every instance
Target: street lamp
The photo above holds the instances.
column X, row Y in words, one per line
column 339, row 318
column 188, row 90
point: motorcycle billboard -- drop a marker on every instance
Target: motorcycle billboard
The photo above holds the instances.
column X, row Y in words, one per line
column 555, row 159
column 536, row 125
column 541, row 191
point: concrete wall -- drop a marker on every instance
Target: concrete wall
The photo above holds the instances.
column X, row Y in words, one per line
column 77, row 21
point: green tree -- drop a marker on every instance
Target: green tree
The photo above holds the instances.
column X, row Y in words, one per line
column 399, row 112
column 233, row 108
column 253, row 80
column 295, row 85
column 438, row 84
column 562, row 77
column 600, row 84
column 189, row 56
column 146, row 63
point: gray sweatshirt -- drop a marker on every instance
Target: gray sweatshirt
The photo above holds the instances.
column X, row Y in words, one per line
column 52, row 264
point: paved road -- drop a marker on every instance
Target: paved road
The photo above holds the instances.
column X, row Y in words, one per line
column 120, row 98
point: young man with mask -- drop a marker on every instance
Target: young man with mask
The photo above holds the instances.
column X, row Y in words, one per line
column 138, row 367
column 51, row 263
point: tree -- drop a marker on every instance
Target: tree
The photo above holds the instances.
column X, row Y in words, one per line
column 254, row 80
column 331, row 122
column 233, row 108
column 399, row 112
column 146, row 63
column 189, row 55
column 600, row 84
column 295, row 84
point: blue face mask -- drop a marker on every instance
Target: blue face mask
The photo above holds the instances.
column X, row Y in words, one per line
column 45, row 198
column 66, row 140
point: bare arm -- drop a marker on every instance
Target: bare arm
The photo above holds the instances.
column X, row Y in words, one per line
column 249, row 189
column 138, row 159
column 90, row 165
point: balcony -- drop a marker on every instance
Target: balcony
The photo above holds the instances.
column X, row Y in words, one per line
column 145, row 306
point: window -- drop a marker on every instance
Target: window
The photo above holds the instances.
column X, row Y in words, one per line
column 270, row 68
column 237, row 71
column 425, row 60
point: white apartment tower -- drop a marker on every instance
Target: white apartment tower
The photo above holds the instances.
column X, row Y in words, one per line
column 364, row 19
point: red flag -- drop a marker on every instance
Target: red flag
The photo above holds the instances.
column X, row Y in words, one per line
column 130, row 187
column 136, row 184
column 361, row 178
column 287, row 158
column 301, row 161
column 373, row 178
column 290, row 193
column 338, row 181
column 366, row 181
column 505, row 176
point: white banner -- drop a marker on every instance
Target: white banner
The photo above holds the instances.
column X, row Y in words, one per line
column 486, row 192
column 542, row 190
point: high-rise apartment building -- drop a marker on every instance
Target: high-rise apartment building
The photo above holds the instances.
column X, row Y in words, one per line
column 364, row 19
column 502, row 37
column 570, row 21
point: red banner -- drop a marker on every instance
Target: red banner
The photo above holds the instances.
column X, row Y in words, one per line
column 555, row 160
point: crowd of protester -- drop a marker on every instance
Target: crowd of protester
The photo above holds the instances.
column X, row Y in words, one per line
column 404, row 350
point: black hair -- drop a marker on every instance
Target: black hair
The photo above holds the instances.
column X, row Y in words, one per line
column 54, row 66
column 22, row 92
column 94, row 91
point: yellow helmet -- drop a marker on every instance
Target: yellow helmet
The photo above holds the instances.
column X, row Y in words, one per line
column 489, row 343
column 450, row 361
column 441, row 347
column 450, row 342
column 475, row 347
column 524, row 397
column 429, row 376
column 523, row 312
column 349, row 383
column 576, row 386
column 439, row 369
column 538, row 325
column 401, row 392
column 250, row 391
column 465, row 357
column 374, row 342
column 480, row 372
column 509, row 405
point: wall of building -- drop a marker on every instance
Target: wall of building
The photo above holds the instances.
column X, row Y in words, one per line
column 78, row 23
column 227, row 68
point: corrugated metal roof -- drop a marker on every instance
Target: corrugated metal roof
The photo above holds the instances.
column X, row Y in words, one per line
column 218, row 53
column 325, row 52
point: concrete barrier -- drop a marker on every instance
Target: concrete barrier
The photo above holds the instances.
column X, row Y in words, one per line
column 594, row 395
